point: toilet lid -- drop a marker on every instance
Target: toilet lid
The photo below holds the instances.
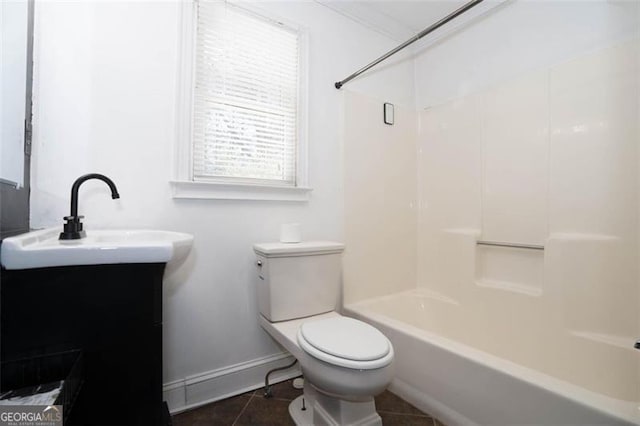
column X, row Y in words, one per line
column 346, row 342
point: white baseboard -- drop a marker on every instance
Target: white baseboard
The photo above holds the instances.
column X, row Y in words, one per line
column 194, row 391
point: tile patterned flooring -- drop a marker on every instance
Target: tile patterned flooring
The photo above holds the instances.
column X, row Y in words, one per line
column 253, row 409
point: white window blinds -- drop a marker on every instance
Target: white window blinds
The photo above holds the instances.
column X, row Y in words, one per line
column 246, row 97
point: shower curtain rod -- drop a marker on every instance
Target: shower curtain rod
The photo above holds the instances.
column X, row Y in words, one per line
column 413, row 39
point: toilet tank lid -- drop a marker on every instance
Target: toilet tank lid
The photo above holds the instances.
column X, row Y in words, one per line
column 305, row 248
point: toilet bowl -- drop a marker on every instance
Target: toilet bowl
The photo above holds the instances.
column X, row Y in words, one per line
column 345, row 357
column 345, row 362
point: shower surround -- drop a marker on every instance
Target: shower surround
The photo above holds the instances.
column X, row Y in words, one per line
column 549, row 159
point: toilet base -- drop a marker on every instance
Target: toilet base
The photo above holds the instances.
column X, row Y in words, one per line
column 300, row 417
column 323, row 410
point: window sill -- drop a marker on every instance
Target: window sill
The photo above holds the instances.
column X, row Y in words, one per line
column 235, row 191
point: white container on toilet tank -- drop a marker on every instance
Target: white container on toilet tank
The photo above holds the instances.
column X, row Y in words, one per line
column 298, row 280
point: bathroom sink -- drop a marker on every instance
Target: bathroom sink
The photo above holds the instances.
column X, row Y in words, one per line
column 41, row 249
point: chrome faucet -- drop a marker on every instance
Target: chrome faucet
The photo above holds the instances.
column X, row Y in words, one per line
column 73, row 228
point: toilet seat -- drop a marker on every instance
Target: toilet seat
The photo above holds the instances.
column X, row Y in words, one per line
column 345, row 342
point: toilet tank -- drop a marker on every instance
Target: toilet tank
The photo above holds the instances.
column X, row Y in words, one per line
column 298, row 280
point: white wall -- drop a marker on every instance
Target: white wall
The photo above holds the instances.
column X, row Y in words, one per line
column 515, row 38
column 104, row 101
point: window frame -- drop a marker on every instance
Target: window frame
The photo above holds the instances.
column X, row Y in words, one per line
column 183, row 184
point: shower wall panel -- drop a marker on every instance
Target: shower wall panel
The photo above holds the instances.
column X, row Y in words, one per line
column 550, row 158
column 515, row 144
column 593, row 193
column 380, row 199
column 450, row 188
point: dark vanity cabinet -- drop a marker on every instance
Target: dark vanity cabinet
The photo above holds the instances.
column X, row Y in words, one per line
column 113, row 313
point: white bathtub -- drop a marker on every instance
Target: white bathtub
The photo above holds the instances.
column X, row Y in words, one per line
column 467, row 369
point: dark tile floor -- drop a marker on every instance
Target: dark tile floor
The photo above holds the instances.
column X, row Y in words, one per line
column 253, row 409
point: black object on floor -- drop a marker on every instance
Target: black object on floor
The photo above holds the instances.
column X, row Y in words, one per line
column 38, row 375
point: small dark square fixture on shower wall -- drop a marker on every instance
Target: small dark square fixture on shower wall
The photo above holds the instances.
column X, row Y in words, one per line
column 388, row 113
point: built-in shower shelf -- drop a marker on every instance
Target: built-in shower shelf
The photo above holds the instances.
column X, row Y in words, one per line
column 512, row 287
column 512, row 269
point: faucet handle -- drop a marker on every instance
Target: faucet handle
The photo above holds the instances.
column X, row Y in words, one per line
column 72, row 230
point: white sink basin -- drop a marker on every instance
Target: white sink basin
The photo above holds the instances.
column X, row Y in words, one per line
column 41, row 249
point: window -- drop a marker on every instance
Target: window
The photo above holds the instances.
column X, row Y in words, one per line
column 246, row 122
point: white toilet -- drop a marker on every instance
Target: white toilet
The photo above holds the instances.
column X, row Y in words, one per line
column 345, row 362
